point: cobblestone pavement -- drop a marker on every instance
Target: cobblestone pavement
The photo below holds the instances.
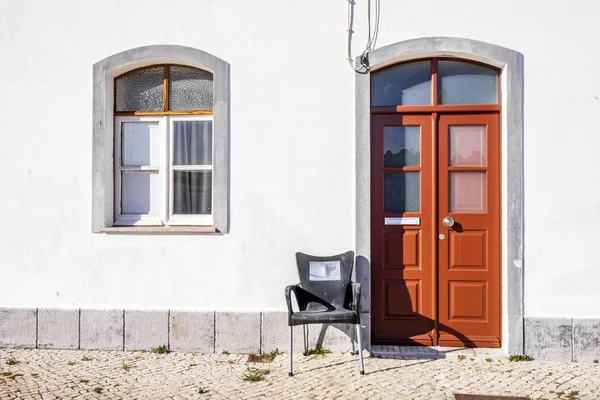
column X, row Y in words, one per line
column 70, row 374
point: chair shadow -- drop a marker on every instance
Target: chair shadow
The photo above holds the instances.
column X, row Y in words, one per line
column 362, row 275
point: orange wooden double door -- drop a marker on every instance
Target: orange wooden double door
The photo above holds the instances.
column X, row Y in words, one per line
column 435, row 229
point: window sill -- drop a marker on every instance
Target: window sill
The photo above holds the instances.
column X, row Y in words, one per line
column 159, row 229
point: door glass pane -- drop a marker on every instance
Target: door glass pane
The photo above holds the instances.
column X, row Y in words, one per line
column 139, row 193
column 190, row 89
column 192, row 192
column 192, row 143
column 404, row 84
column 401, row 146
column 139, row 143
column 140, row 90
column 402, row 191
column 466, row 83
column 467, row 192
column 467, row 146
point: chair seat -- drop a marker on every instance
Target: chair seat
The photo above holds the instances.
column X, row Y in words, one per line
column 324, row 317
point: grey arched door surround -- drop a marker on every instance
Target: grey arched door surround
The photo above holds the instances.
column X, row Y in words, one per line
column 510, row 62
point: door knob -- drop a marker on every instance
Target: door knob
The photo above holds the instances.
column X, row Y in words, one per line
column 448, row 222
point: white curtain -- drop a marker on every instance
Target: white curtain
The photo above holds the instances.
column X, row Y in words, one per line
column 192, row 190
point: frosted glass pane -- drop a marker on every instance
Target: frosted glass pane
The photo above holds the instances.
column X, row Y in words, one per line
column 140, row 90
column 401, row 146
column 467, row 146
column 190, row 89
column 192, row 143
column 405, row 84
column 402, row 191
column 139, row 144
column 139, row 193
column 192, row 192
column 465, row 83
column 467, row 192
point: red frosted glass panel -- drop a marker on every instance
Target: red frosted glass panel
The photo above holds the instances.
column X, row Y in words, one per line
column 467, row 146
column 467, row 192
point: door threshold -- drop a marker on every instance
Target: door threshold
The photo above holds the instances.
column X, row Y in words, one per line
column 435, row 352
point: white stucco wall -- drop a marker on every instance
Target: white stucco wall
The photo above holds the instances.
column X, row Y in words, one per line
column 292, row 147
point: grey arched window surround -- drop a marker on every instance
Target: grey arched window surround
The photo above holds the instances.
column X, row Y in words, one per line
column 103, row 177
column 510, row 63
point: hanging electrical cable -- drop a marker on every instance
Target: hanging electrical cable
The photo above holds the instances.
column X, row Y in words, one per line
column 372, row 35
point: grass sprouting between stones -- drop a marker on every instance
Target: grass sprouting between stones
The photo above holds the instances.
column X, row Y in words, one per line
column 11, row 361
column 318, row 351
column 160, row 350
column 253, row 377
column 275, row 352
column 520, row 357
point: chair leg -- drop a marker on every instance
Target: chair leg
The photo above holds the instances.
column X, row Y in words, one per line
column 291, row 371
column 360, row 354
column 304, row 339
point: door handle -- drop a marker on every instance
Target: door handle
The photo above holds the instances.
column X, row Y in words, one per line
column 448, row 222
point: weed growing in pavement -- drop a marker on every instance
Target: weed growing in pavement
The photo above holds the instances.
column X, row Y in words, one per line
column 225, row 353
column 520, row 357
column 35, row 375
column 192, row 365
column 461, row 357
column 84, row 380
column 12, row 361
column 574, row 395
column 72, row 363
column 317, row 351
column 98, row 390
column 160, row 350
column 86, row 358
column 275, row 352
column 488, row 360
column 253, row 377
column 595, row 361
column 126, row 367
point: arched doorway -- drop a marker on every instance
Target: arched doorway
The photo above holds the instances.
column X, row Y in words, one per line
column 510, row 63
column 436, row 204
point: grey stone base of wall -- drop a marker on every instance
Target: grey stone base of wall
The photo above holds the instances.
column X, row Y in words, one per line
column 562, row 338
column 202, row 332
column 243, row 332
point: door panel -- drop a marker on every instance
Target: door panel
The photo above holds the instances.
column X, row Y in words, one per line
column 402, row 255
column 432, row 284
column 469, row 259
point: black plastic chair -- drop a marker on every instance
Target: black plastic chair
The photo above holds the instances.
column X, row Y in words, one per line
column 325, row 295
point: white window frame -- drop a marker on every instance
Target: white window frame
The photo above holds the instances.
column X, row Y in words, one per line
column 189, row 219
column 165, row 170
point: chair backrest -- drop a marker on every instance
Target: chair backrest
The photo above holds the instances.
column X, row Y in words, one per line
column 326, row 277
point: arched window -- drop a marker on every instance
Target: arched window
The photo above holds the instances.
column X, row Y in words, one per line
column 164, row 147
column 161, row 141
column 452, row 81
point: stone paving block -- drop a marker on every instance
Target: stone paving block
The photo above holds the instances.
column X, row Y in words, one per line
column 549, row 338
column 101, row 329
column 237, row 332
column 146, row 329
column 58, row 329
column 586, row 334
column 192, row 331
column 18, row 327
